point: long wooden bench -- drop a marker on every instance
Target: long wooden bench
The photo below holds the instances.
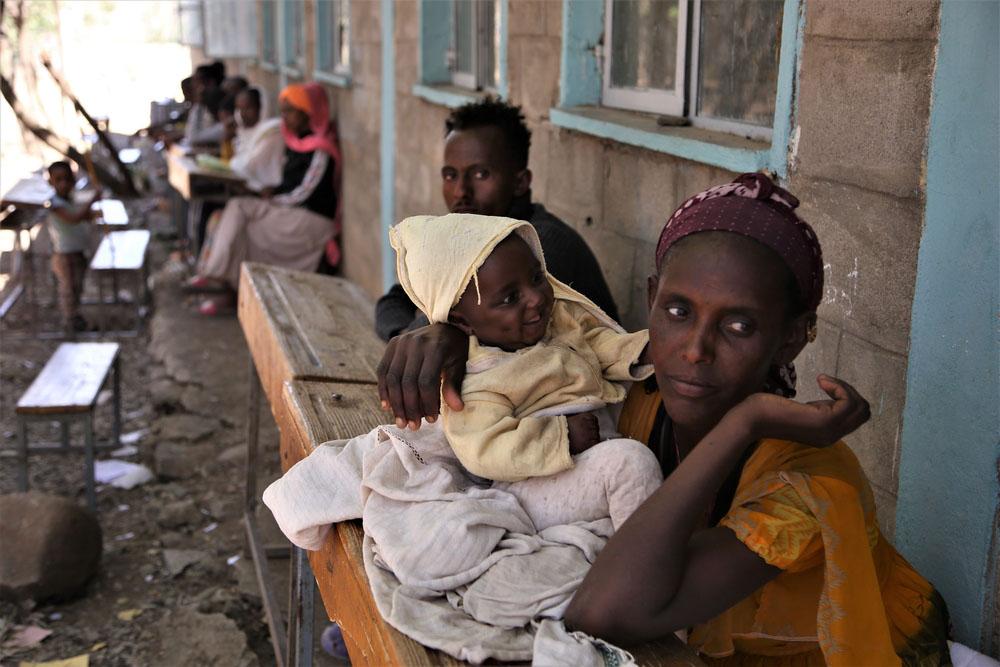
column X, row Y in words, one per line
column 314, row 350
column 66, row 390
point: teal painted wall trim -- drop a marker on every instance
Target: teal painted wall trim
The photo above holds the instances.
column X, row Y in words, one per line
column 579, row 75
column 435, row 36
column 726, row 157
column 580, row 85
column 387, row 141
column 948, row 485
column 503, row 85
column 448, row 96
column 793, row 21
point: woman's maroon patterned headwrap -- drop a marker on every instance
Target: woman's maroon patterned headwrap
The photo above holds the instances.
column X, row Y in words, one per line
column 753, row 206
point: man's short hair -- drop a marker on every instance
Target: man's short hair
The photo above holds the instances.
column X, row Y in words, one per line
column 494, row 112
column 58, row 165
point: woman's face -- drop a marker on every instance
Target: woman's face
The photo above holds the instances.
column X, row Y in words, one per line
column 295, row 120
column 247, row 109
column 717, row 323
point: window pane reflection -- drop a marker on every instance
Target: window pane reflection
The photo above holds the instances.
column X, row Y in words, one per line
column 644, row 43
column 738, row 69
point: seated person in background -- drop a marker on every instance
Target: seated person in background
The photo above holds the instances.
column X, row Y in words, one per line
column 290, row 225
column 203, row 127
column 486, row 172
column 232, row 85
column 258, row 147
column 70, row 236
column 542, row 359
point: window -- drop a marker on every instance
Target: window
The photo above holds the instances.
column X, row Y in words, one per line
column 292, row 60
column 192, row 31
column 268, row 41
column 333, row 29
column 475, row 42
column 726, row 80
column 729, row 66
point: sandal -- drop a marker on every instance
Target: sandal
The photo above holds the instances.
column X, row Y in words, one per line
column 203, row 284
column 214, row 308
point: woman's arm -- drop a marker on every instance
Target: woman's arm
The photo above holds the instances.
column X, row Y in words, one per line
column 657, row 575
column 301, row 192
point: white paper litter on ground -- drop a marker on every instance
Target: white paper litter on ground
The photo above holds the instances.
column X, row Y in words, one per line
column 127, row 450
column 121, row 474
column 133, row 437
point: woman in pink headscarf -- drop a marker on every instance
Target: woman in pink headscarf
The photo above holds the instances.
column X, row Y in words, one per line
column 294, row 224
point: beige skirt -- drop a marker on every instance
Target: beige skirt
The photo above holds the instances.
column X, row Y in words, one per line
column 255, row 230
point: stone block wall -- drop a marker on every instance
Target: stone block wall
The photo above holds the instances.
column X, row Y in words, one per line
column 862, row 107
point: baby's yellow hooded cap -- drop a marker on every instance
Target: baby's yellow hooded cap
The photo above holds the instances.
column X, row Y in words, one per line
column 437, row 256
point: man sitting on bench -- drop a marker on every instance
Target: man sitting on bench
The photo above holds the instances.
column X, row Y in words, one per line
column 486, row 172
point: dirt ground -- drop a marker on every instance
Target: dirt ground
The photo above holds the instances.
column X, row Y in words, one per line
column 176, row 584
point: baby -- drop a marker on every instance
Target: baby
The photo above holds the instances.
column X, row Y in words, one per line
column 542, row 359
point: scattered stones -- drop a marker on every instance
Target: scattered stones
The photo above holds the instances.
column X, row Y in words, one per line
column 178, row 560
column 246, row 578
column 173, row 461
column 185, row 427
column 177, row 514
column 49, row 546
column 165, row 393
column 193, row 638
column 232, row 454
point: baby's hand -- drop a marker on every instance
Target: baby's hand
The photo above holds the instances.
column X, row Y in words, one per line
column 584, row 432
column 819, row 423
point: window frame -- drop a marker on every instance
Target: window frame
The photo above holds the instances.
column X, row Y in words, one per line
column 579, row 105
column 656, row 101
column 472, row 80
column 340, row 75
column 268, row 61
column 434, row 83
column 749, row 130
column 288, row 29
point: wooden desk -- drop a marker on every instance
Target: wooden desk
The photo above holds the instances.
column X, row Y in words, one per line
column 33, row 192
column 192, row 181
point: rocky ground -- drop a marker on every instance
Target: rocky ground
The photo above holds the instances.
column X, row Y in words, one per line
column 176, row 585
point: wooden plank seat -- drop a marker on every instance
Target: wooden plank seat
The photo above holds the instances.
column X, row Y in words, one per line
column 316, row 412
column 66, row 390
column 123, row 253
column 112, row 212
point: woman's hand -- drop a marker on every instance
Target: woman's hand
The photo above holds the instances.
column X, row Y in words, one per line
column 584, row 432
column 819, row 423
column 420, row 366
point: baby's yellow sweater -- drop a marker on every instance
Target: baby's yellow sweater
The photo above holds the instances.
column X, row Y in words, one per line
column 578, row 364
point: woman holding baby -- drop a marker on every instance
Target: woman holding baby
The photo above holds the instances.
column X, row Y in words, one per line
column 762, row 541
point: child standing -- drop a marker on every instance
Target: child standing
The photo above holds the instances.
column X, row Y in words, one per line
column 70, row 240
column 542, row 359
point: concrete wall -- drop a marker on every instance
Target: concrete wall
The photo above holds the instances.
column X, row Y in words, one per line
column 356, row 109
column 950, row 466
column 857, row 169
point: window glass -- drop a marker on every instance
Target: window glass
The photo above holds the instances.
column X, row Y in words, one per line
column 465, row 30
column 333, row 35
column 644, row 44
column 738, row 68
column 268, row 16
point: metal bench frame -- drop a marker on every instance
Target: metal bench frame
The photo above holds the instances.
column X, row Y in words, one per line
column 65, row 419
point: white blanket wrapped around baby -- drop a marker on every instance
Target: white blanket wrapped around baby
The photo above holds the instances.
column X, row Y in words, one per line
column 454, row 564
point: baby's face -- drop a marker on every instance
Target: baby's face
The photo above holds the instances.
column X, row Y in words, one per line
column 516, row 302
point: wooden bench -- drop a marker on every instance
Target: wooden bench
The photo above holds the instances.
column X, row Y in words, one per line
column 112, row 212
column 314, row 353
column 119, row 253
column 65, row 391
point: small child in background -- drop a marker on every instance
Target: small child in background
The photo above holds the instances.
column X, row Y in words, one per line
column 70, row 236
column 544, row 362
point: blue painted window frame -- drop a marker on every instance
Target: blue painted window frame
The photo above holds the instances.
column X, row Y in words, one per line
column 324, row 24
column 268, row 36
column 433, row 76
column 292, row 25
column 580, row 97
